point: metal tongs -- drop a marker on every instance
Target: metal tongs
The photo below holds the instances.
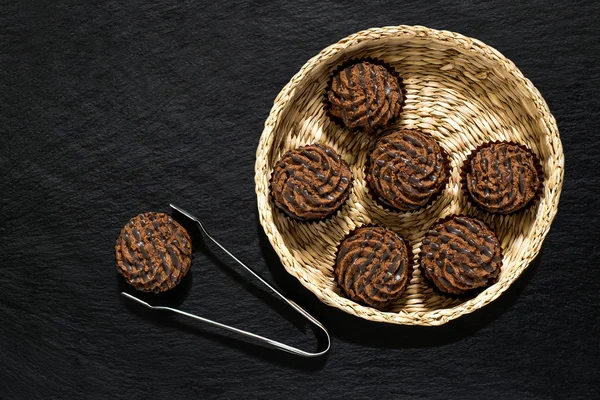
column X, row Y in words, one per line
column 273, row 343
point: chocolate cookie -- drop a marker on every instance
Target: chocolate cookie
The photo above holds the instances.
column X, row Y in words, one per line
column 406, row 170
column 310, row 183
column 365, row 95
column 501, row 177
column 461, row 254
column 153, row 252
column 372, row 266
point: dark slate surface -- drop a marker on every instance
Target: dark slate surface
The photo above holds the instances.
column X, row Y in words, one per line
column 108, row 109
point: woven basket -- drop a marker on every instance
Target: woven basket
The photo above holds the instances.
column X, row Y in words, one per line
column 459, row 90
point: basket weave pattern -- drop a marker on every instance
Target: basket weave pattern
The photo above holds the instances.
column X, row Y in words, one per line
column 461, row 91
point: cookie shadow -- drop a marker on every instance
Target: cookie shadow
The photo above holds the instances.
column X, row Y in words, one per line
column 356, row 330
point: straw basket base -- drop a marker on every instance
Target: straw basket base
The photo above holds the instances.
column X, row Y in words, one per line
column 459, row 90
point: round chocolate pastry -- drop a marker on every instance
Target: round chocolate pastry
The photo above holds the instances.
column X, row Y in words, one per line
column 372, row 266
column 153, row 252
column 406, row 169
column 311, row 182
column 365, row 95
column 502, row 178
column 461, row 254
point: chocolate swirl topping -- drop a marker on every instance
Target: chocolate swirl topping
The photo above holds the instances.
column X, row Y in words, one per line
column 461, row 254
column 311, row 182
column 365, row 95
column 502, row 178
column 153, row 252
column 372, row 266
column 406, row 169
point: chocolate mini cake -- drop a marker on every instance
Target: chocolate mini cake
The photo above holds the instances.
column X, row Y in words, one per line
column 460, row 254
column 502, row 177
column 310, row 183
column 372, row 266
column 153, row 252
column 406, row 170
column 365, row 95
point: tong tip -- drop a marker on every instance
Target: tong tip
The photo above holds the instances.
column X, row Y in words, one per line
column 135, row 299
column 182, row 211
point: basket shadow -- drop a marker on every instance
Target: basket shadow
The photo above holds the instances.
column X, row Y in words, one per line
column 356, row 330
column 176, row 297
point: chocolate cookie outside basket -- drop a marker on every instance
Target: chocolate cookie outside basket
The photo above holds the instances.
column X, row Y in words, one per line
column 153, row 252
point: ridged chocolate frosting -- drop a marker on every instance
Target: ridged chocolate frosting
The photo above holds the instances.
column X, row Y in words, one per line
column 502, row 178
column 153, row 252
column 311, row 182
column 372, row 266
column 461, row 254
column 406, row 169
column 366, row 96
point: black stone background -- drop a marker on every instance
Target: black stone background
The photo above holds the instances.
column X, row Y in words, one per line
column 112, row 108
